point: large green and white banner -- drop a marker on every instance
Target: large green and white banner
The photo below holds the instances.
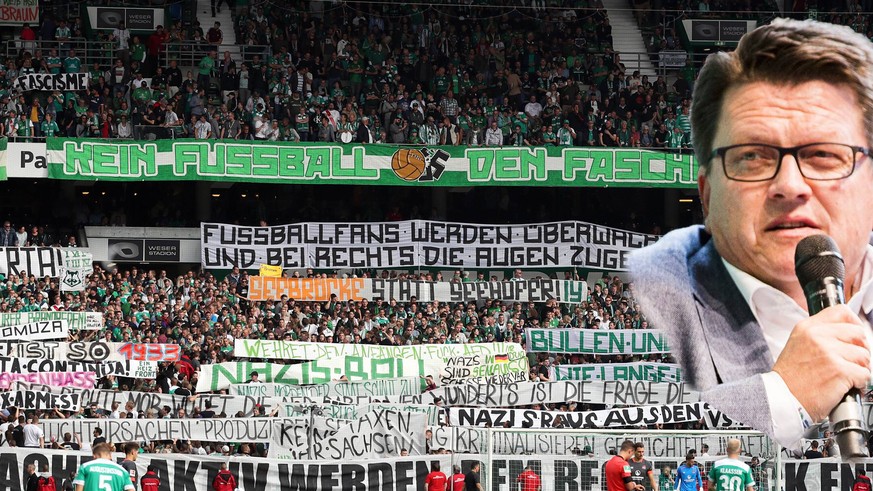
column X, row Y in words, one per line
column 456, row 369
column 596, row 341
column 652, row 372
column 221, row 376
column 297, row 350
column 328, row 163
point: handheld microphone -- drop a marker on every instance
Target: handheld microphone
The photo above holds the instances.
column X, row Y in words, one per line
column 819, row 266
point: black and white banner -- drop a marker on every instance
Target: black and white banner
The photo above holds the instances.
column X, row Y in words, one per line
column 255, row 430
column 183, row 472
column 76, row 321
column 368, row 388
column 228, row 405
column 56, row 329
column 549, row 442
column 376, row 435
column 91, row 351
column 31, row 261
column 135, row 369
column 419, row 243
column 611, row 418
column 529, row 393
column 436, row 415
column 32, row 399
column 50, row 82
column 75, row 269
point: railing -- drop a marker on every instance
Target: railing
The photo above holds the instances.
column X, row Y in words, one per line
column 189, row 53
column 88, row 52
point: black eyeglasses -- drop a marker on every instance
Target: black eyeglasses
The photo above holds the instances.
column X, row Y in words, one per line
column 755, row 162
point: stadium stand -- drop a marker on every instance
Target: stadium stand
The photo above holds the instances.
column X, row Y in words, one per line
column 466, row 74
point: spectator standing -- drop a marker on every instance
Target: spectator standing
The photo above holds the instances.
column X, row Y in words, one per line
column 529, row 480
column 813, row 452
column 471, row 479
column 862, row 482
column 150, row 481
column 436, row 480
column 224, row 481
column 31, row 482
column 33, row 434
column 121, row 38
column 458, row 479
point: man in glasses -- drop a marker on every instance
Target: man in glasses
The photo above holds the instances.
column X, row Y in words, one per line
column 781, row 130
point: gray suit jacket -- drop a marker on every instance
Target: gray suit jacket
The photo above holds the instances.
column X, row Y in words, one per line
column 685, row 290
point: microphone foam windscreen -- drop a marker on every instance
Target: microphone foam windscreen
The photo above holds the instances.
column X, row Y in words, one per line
column 816, row 257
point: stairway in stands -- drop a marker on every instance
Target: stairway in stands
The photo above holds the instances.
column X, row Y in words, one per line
column 627, row 38
column 204, row 15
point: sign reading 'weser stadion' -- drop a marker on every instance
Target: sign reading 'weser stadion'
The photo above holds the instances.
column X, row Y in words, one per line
column 327, row 163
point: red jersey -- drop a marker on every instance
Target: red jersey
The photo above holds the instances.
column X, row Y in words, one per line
column 150, row 482
column 618, row 473
column 458, row 482
column 530, row 481
column 436, row 481
column 224, row 481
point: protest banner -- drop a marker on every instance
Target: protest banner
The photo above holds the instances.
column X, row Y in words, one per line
column 19, row 12
column 220, row 376
column 184, row 472
column 599, row 445
column 331, row 163
column 85, row 380
column 255, row 430
column 75, row 268
column 529, row 393
column 56, row 329
column 611, row 418
column 596, row 341
column 32, row 399
column 435, row 414
column 419, row 243
column 64, row 82
column 35, row 261
column 229, row 405
column 92, row 351
column 653, row 372
column 298, row 350
column 449, row 370
column 270, row 271
column 368, row 388
column 76, row 321
column 377, row 434
column 345, row 289
column 134, row 369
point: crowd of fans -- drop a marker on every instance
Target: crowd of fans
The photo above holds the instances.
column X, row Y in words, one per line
column 457, row 75
column 204, row 314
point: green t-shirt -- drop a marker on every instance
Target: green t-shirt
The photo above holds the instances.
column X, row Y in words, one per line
column 103, row 475
column 206, row 65
column 49, row 128
column 730, row 475
column 72, row 65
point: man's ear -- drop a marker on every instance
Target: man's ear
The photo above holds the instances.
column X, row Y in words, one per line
column 704, row 188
